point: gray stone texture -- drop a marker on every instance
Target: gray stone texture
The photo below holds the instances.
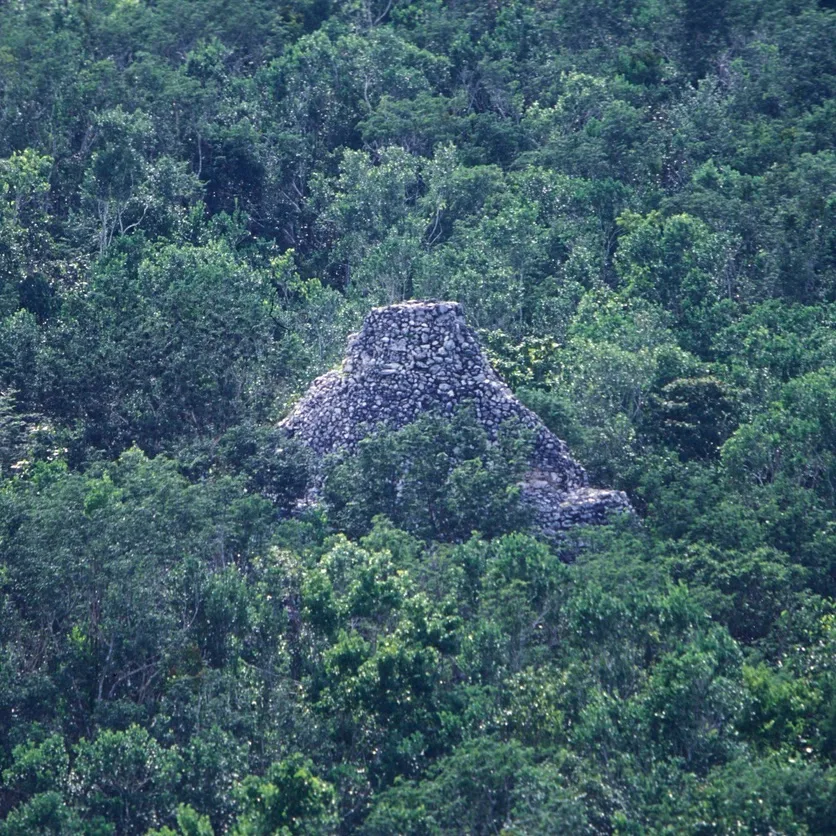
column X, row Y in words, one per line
column 422, row 356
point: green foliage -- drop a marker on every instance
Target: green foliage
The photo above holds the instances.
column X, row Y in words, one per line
column 633, row 201
column 189, row 823
column 126, row 777
column 694, row 415
column 437, row 477
column 290, row 799
column 47, row 813
column 274, row 465
column 482, row 786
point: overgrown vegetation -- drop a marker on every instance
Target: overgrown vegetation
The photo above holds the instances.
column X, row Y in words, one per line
column 635, row 201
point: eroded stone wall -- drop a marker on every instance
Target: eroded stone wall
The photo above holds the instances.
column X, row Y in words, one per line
column 422, row 356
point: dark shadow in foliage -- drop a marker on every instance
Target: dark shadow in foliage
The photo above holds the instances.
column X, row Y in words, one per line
column 273, row 464
column 693, row 415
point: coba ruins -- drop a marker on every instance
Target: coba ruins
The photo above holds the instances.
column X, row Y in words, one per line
column 417, row 357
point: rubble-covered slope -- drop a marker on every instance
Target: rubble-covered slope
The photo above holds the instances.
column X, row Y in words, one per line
column 416, row 357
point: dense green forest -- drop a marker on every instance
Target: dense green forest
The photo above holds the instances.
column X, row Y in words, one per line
column 635, row 203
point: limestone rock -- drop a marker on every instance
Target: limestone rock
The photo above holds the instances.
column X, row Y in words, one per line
column 418, row 356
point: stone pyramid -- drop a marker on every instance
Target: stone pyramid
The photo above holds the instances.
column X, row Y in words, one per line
column 422, row 356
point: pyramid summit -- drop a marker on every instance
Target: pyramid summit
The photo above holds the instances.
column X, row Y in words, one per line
column 417, row 357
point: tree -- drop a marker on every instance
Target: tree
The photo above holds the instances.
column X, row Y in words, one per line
column 290, row 799
column 682, row 265
column 126, row 777
column 436, row 477
column 28, row 268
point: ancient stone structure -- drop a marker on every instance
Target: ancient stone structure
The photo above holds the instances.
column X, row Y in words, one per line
column 419, row 356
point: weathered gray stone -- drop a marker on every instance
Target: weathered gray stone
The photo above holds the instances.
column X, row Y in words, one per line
column 411, row 358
